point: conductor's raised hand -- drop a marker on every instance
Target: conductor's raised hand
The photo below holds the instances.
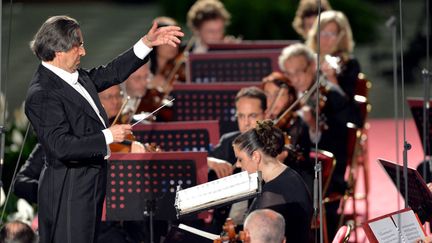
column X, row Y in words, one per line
column 167, row 35
column 119, row 132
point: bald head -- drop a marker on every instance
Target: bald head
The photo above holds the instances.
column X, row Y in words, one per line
column 265, row 225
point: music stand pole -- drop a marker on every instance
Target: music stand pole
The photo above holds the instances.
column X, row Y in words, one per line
column 149, row 211
column 426, row 106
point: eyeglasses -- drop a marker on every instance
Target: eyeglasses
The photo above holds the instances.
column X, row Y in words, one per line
column 328, row 34
column 296, row 73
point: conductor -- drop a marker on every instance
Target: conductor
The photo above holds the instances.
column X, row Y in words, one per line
column 64, row 109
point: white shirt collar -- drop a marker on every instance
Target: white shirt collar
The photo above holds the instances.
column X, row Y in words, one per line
column 70, row 78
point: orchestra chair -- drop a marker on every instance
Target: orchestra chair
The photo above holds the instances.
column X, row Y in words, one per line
column 343, row 234
column 328, row 163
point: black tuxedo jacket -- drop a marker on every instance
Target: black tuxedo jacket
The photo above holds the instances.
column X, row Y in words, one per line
column 72, row 185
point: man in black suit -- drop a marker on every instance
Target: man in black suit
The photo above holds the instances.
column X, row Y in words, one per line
column 70, row 123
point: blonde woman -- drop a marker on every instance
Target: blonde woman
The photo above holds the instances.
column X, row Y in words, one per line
column 336, row 47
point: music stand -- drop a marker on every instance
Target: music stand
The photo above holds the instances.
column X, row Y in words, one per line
column 141, row 185
column 196, row 102
column 419, row 197
column 416, row 106
column 251, row 45
column 179, row 136
column 231, row 66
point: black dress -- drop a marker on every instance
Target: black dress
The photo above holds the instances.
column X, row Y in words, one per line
column 287, row 194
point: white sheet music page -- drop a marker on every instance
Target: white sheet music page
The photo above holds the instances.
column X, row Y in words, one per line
column 409, row 226
column 226, row 187
column 385, row 230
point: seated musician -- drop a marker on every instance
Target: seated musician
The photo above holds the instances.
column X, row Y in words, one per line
column 336, row 48
column 135, row 87
column 264, row 225
column 284, row 190
column 207, row 19
column 250, row 105
column 280, row 96
column 305, row 16
column 299, row 65
column 162, row 58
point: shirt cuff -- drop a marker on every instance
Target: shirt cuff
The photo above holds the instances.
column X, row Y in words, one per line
column 109, row 139
column 141, row 50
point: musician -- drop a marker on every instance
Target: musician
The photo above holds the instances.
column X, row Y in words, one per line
column 162, row 58
column 299, row 65
column 305, row 16
column 264, row 225
column 336, row 40
column 250, row 106
column 284, row 191
column 207, row 19
column 72, row 127
column 280, row 96
column 135, row 87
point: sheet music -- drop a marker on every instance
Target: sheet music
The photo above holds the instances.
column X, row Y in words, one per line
column 199, row 232
column 385, row 231
column 216, row 191
column 410, row 226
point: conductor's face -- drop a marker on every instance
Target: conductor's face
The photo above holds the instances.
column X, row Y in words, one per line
column 70, row 60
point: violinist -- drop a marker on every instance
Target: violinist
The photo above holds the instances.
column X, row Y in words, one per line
column 284, row 190
column 112, row 101
column 299, row 65
column 135, row 87
column 207, row 19
column 163, row 58
column 336, row 46
column 280, row 96
column 305, row 16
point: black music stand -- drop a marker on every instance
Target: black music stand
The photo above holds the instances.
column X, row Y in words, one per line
column 196, row 102
column 180, row 136
column 231, row 66
column 419, row 195
column 251, row 45
column 140, row 185
column 416, row 106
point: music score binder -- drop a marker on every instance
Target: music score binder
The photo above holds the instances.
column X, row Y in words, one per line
column 217, row 193
column 419, row 195
column 403, row 225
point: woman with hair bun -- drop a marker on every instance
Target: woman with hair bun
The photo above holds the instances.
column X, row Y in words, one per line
column 284, row 190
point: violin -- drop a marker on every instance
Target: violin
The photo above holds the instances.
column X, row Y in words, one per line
column 130, row 144
column 229, row 233
column 173, row 71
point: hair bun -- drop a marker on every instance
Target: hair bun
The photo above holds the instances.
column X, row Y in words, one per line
column 270, row 137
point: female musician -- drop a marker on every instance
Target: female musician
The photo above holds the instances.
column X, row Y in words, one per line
column 284, row 190
column 336, row 40
column 207, row 19
column 280, row 96
column 306, row 13
column 162, row 58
